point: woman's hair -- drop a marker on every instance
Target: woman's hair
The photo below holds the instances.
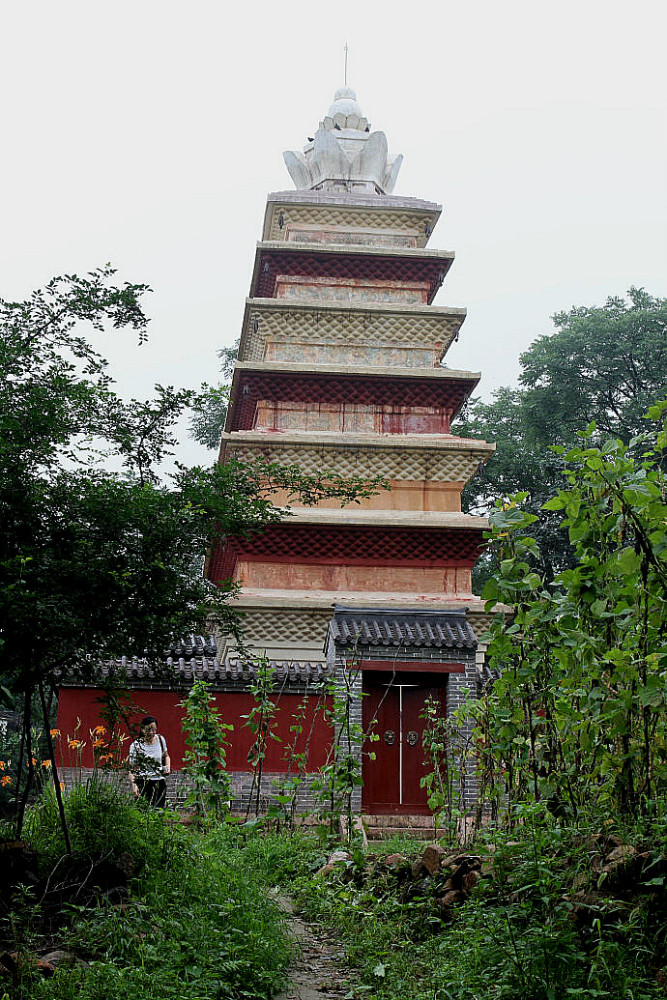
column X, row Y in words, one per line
column 147, row 721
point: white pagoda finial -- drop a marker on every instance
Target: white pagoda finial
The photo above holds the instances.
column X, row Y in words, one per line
column 345, row 154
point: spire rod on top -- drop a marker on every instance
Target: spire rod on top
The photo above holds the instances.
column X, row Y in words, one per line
column 345, row 67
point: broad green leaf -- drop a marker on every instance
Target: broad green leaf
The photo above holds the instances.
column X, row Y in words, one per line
column 628, row 561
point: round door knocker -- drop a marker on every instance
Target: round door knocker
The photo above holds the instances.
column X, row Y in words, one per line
column 412, row 738
column 390, row 737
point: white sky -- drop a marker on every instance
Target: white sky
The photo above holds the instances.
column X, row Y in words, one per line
column 149, row 133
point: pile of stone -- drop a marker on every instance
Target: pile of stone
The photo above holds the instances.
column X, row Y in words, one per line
column 447, row 878
column 461, row 873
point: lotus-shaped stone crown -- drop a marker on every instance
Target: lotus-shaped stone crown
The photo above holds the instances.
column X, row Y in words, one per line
column 344, row 154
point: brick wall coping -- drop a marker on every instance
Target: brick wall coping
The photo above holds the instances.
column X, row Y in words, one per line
column 175, row 673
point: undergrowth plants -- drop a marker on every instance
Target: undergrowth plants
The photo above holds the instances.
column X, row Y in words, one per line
column 197, row 926
column 539, row 925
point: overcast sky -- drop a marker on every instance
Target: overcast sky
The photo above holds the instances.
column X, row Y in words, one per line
column 149, row 133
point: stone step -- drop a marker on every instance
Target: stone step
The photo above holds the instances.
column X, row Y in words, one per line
column 387, row 832
column 394, row 819
column 383, row 827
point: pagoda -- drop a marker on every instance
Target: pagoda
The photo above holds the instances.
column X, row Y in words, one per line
column 340, row 368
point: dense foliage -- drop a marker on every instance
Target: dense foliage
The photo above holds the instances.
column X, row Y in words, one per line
column 578, row 715
column 603, row 364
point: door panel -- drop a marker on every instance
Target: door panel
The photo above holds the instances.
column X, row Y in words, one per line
column 381, row 775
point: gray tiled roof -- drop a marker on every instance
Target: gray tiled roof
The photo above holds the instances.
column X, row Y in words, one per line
column 231, row 670
column 193, row 645
column 406, row 627
column 194, row 657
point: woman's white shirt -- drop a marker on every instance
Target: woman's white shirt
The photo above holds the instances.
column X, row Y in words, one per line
column 146, row 758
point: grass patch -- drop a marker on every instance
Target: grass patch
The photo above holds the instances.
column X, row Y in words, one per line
column 196, row 926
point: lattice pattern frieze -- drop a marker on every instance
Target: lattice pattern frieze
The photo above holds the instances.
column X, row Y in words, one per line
column 354, row 544
column 480, row 622
column 355, row 266
column 394, row 464
column 411, row 223
column 350, row 328
column 267, row 625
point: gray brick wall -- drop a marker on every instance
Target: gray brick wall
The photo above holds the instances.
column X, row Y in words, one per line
column 347, row 677
column 462, row 688
column 179, row 786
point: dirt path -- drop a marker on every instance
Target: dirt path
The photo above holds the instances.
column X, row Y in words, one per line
column 319, row 972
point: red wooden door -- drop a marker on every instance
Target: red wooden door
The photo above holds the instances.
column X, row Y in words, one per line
column 391, row 709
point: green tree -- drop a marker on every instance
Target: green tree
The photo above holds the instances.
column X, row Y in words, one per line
column 578, row 715
column 209, row 409
column 96, row 564
column 520, row 464
column 602, row 364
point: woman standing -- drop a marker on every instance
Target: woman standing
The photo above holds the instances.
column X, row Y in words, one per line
column 149, row 763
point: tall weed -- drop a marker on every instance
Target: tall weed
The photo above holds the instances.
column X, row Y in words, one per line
column 102, row 821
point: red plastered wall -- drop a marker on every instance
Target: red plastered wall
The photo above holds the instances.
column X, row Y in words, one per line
column 83, row 704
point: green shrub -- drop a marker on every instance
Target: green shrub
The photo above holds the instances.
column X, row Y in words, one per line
column 102, row 821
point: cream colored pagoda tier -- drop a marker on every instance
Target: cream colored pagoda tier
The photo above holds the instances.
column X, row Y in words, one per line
column 341, row 218
column 353, row 515
column 357, row 334
column 292, row 625
column 419, row 463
